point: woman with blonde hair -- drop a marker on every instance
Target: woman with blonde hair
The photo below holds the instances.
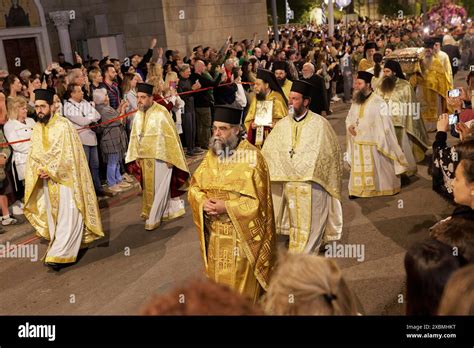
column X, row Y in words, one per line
column 170, row 86
column 309, row 285
column 18, row 127
column 155, row 70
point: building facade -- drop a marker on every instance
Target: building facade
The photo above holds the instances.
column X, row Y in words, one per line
column 33, row 32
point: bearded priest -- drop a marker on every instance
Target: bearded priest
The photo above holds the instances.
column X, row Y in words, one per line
column 305, row 164
column 60, row 200
column 232, row 209
column 373, row 153
column 156, row 149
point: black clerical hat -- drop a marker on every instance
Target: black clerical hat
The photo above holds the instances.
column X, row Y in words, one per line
column 145, row 88
column 227, row 114
column 429, row 43
column 395, row 67
column 44, row 94
column 365, row 75
column 279, row 65
column 270, row 78
column 302, row 87
column 370, row 45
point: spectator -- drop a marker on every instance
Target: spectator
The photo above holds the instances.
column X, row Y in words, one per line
column 109, row 74
column 428, row 266
column 444, row 163
column 77, row 77
column 319, row 102
column 129, row 89
column 189, row 119
column 201, row 297
column 203, row 101
column 82, row 114
column 458, row 295
column 113, row 140
column 19, row 127
column 62, row 62
column 140, row 63
column 6, row 187
column 171, row 84
column 452, row 50
column 309, row 285
column 96, row 79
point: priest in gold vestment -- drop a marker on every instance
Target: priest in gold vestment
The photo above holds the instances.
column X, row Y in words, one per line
column 266, row 108
column 373, row 153
column 404, row 111
column 156, row 148
column 232, row 209
column 60, row 200
column 305, row 164
column 280, row 69
column 434, row 87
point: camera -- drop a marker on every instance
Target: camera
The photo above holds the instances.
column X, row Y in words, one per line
column 453, row 119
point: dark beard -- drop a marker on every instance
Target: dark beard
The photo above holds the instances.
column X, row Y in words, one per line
column 143, row 108
column 45, row 119
column 388, row 84
column 360, row 97
column 281, row 82
column 261, row 96
column 223, row 149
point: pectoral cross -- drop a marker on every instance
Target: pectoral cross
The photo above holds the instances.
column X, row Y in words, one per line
column 292, row 152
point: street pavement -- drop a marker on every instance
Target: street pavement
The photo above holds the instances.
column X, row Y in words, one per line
column 118, row 275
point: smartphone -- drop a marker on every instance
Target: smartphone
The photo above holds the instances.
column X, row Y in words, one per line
column 453, row 119
column 454, row 93
column 471, row 67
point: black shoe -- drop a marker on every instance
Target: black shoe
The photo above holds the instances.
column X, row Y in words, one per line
column 54, row 266
column 352, row 197
column 190, row 153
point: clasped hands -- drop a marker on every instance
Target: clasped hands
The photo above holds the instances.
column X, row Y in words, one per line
column 214, row 207
column 43, row 174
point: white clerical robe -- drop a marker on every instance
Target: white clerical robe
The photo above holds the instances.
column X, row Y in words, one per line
column 66, row 233
column 164, row 207
column 374, row 154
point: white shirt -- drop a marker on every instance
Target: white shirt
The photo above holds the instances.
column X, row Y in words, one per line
column 15, row 130
column 82, row 114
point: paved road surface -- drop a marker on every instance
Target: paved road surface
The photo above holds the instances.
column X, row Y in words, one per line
column 120, row 277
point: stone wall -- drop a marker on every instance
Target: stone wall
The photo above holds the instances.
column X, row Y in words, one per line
column 206, row 22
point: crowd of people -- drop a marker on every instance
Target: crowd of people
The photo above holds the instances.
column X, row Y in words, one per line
column 97, row 126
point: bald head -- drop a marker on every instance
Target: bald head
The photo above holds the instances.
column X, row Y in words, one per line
column 308, row 70
column 199, row 67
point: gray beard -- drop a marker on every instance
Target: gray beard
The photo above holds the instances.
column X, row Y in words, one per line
column 388, row 84
column 360, row 97
column 223, row 149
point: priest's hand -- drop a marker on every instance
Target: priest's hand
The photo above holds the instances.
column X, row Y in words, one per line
column 253, row 125
column 42, row 174
column 215, row 207
column 352, row 130
column 443, row 123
